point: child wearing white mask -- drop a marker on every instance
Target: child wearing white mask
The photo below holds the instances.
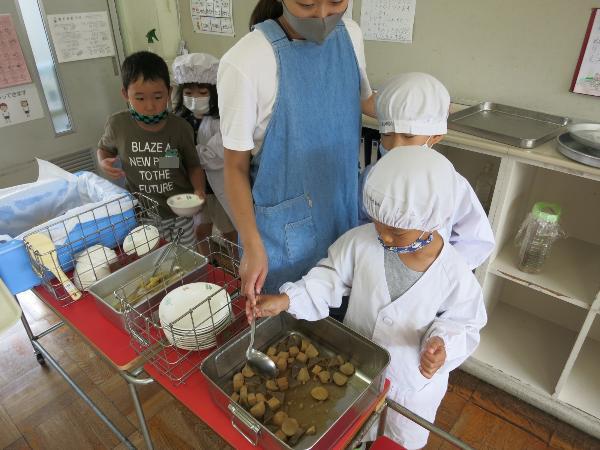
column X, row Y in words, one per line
column 196, row 101
column 412, row 110
column 410, row 291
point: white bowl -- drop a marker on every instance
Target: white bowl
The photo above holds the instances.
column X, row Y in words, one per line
column 185, row 205
column 206, row 300
column 141, row 240
column 96, row 255
column 85, row 275
column 92, row 265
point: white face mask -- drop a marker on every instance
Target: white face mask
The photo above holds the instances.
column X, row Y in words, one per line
column 197, row 105
column 383, row 150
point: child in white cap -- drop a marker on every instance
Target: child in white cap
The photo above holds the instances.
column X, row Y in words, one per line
column 410, row 291
column 197, row 102
column 412, row 109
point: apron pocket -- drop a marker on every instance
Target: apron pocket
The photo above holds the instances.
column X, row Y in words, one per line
column 300, row 239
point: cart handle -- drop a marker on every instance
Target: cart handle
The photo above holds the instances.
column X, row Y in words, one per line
column 426, row 424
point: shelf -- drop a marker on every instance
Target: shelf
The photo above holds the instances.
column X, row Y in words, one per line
column 582, row 388
column 525, row 347
column 570, row 273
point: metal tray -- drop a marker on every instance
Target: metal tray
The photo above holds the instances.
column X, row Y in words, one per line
column 576, row 151
column 507, row 124
column 103, row 291
column 332, row 337
column 587, row 134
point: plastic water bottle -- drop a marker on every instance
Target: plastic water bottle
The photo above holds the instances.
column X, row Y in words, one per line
column 484, row 186
column 536, row 236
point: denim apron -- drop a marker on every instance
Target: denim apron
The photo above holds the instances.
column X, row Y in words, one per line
column 305, row 178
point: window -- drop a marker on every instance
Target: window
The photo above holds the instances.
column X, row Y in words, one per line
column 33, row 16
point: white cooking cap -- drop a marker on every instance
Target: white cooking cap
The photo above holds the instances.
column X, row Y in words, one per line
column 195, row 68
column 411, row 188
column 413, row 103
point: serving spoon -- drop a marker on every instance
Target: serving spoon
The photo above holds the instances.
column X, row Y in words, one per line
column 257, row 360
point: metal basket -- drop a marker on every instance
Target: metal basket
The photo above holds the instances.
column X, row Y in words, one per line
column 177, row 347
column 106, row 225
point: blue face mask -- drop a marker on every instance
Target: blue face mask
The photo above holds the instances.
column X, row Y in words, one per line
column 414, row 247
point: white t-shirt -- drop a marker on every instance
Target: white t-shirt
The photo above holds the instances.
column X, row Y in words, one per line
column 247, row 85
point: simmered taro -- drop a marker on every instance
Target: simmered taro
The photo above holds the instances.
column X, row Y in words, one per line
column 324, row 376
column 290, row 426
column 311, row 430
column 319, row 393
column 272, row 385
column 258, row 410
column 303, row 375
column 274, row 403
column 279, row 417
column 340, row 379
column 247, row 371
column 282, row 364
column 282, row 383
column 281, row 435
column 301, row 357
column 251, row 399
column 347, row 369
column 294, row 351
column 312, row 351
column 238, row 382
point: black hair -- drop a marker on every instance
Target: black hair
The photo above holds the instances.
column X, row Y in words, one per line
column 265, row 10
column 147, row 65
column 213, row 103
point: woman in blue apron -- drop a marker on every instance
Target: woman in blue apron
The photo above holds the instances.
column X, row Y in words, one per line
column 290, row 97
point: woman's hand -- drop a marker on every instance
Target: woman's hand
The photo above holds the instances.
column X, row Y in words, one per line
column 268, row 305
column 433, row 356
column 254, row 267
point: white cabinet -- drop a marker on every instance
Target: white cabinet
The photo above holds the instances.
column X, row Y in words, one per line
column 542, row 340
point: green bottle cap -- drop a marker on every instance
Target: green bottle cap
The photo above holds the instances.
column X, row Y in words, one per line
column 548, row 212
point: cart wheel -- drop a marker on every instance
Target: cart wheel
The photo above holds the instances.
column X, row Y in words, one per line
column 40, row 359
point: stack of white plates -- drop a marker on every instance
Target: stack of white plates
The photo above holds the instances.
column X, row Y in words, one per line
column 210, row 313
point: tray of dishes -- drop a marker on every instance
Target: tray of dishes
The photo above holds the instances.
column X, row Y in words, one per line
column 507, row 124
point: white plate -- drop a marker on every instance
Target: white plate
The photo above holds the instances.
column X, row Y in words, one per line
column 185, row 205
column 204, row 298
column 141, row 240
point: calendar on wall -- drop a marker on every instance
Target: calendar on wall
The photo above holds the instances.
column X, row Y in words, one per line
column 13, row 68
column 212, row 17
column 388, row 20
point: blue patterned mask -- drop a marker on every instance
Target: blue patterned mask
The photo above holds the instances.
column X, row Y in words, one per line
column 148, row 120
column 414, row 247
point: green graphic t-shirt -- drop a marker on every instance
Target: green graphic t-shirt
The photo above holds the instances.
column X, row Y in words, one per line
column 155, row 163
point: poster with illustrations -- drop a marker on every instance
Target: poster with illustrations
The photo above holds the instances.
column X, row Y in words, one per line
column 19, row 104
column 586, row 79
column 388, row 20
column 13, row 69
column 212, row 17
column 81, row 36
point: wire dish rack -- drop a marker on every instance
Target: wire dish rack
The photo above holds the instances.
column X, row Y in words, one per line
column 181, row 318
column 70, row 254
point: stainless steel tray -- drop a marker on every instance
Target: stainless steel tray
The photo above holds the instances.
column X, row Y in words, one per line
column 103, row 291
column 507, row 124
column 576, row 151
column 333, row 338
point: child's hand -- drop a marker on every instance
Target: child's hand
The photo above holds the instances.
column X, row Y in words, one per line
column 432, row 357
column 268, row 305
column 106, row 165
column 200, row 194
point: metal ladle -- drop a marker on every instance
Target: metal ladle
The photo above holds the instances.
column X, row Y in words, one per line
column 257, row 360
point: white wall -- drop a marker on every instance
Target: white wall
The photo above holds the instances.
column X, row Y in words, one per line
column 518, row 52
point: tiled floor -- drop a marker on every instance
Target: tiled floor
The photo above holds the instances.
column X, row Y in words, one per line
column 38, row 410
